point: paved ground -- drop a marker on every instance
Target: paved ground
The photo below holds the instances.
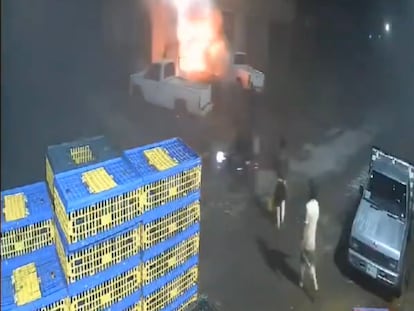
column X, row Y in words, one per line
column 330, row 118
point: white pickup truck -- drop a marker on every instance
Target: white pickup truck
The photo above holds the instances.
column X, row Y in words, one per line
column 246, row 75
column 160, row 86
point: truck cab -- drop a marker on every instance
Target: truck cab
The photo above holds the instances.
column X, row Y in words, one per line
column 383, row 222
column 159, row 85
column 244, row 74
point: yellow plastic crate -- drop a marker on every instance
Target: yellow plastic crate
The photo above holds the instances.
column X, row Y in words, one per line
column 163, row 228
column 90, row 260
column 170, row 259
column 165, row 295
column 26, row 220
column 104, row 294
column 170, row 188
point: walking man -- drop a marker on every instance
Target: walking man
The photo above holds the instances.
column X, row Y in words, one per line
column 282, row 160
column 308, row 245
column 279, row 201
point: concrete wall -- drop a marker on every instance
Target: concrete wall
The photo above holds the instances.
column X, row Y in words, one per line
column 126, row 31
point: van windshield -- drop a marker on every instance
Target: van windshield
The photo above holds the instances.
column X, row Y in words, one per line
column 388, row 194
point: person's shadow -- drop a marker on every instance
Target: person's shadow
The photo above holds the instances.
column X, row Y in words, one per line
column 277, row 261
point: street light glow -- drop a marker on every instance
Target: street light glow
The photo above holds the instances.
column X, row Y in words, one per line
column 387, row 27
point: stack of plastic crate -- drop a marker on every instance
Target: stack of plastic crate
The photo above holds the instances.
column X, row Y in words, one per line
column 97, row 232
column 170, row 200
column 32, row 278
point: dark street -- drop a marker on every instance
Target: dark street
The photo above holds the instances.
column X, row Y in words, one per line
column 65, row 76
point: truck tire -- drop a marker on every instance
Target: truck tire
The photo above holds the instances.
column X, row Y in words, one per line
column 180, row 108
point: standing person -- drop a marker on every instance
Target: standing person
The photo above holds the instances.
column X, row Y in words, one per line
column 279, row 201
column 308, row 245
column 282, row 160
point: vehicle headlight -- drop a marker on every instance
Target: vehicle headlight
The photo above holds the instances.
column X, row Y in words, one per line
column 220, row 157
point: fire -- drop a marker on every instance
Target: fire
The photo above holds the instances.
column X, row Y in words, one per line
column 202, row 45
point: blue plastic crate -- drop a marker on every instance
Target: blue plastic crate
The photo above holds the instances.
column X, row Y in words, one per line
column 30, row 229
column 172, row 171
column 51, row 282
column 168, row 220
column 110, row 200
column 91, row 259
column 110, row 286
column 70, row 155
column 164, row 291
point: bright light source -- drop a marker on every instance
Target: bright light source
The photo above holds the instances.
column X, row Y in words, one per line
column 387, row 27
column 220, row 157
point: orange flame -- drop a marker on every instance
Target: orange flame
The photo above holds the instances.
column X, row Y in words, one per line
column 202, row 45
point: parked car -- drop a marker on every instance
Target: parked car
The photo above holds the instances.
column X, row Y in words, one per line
column 382, row 227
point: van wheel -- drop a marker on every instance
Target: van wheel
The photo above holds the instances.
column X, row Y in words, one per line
column 180, row 108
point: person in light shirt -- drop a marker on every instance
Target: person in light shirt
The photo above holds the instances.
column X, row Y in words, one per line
column 308, row 245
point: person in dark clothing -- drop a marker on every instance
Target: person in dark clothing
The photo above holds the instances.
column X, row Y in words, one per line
column 279, row 201
column 282, row 160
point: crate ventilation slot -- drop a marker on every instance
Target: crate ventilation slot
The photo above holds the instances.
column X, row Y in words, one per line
column 81, row 155
column 160, row 159
column 26, row 284
column 98, row 180
column 15, row 207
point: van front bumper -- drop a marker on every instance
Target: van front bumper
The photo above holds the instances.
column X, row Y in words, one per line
column 371, row 269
